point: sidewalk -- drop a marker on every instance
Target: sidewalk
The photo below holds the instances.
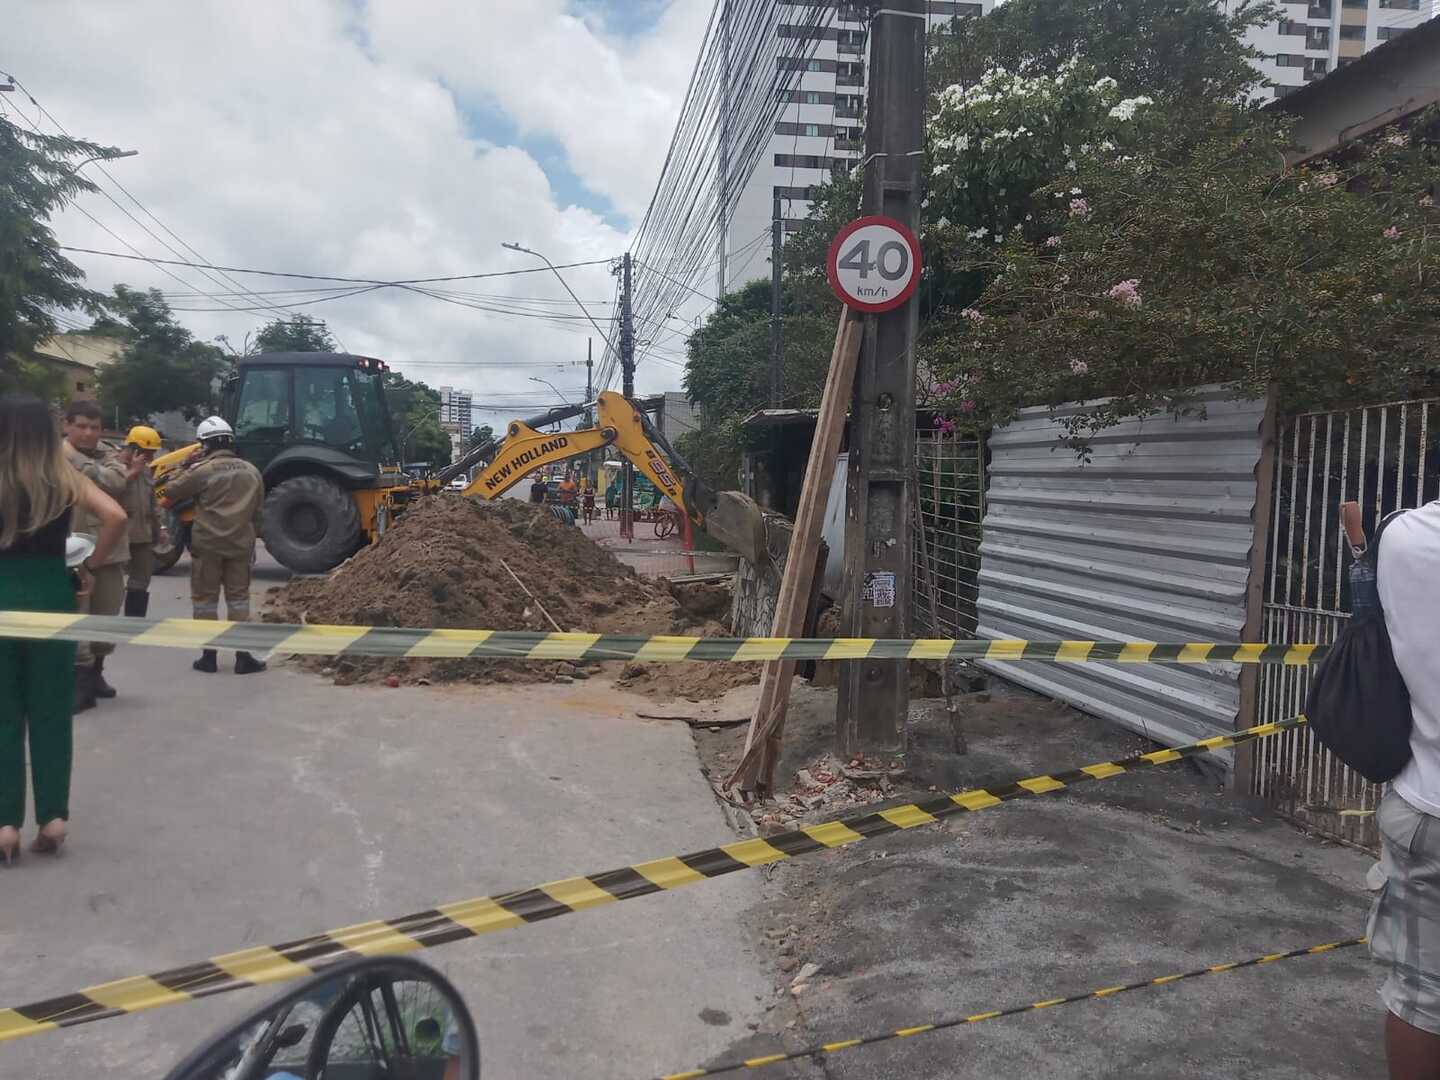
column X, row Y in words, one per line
column 654, row 557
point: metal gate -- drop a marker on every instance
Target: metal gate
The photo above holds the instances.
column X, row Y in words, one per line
column 1385, row 457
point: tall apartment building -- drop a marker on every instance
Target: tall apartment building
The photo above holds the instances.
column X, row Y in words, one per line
column 818, row 130
column 456, row 411
column 1314, row 37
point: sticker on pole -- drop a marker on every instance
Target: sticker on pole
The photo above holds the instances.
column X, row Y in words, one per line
column 874, row 264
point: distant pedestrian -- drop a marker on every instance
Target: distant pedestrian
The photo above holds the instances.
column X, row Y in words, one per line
column 538, row 489
column 1405, row 921
column 587, row 504
column 41, row 496
column 82, row 449
column 229, row 495
column 146, row 527
column 569, row 491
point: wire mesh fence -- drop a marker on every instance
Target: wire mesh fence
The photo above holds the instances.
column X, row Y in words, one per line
column 945, row 553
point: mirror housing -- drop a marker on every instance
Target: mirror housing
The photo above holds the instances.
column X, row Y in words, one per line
column 390, row 1017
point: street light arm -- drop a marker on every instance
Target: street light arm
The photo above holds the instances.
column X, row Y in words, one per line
column 547, row 262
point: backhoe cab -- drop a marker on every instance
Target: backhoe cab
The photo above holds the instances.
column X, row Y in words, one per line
column 318, row 428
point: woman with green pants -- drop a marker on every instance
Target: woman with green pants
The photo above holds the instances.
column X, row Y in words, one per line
column 38, row 492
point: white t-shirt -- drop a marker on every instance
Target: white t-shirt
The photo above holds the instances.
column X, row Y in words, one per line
column 1409, row 580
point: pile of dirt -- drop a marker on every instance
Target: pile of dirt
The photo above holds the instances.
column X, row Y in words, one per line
column 443, row 565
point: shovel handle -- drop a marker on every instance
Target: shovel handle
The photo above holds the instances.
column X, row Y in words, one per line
column 1354, row 530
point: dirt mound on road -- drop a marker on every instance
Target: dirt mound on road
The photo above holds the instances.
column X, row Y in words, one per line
column 442, row 564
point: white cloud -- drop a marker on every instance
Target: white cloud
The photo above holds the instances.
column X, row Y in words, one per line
column 319, row 136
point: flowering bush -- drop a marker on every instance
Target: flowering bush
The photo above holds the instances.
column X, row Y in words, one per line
column 1317, row 281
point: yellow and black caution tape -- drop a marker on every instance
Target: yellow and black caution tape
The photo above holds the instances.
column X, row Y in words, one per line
column 398, row 641
column 837, row 1046
column 486, row 914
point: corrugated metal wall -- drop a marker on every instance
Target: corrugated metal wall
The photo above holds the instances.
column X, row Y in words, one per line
column 1149, row 540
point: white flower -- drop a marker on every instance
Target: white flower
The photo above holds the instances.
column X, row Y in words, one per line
column 1076, row 191
column 942, row 223
column 961, row 143
column 1071, row 166
column 1107, row 83
column 978, row 234
column 1127, row 108
column 941, row 169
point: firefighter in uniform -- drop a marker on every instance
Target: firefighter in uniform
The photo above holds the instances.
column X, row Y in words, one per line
column 146, row 528
column 82, row 450
column 228, row 494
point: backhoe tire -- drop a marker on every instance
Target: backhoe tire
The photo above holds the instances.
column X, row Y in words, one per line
column 311, row 524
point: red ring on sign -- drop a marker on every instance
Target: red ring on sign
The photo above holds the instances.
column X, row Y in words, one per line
column 832, row 257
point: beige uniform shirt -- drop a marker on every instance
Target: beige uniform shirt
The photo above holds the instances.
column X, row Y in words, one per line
column 229, row 496
column 109, row 477
column 138, row 499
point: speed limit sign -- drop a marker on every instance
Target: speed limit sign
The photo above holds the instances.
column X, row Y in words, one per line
column 874, row 264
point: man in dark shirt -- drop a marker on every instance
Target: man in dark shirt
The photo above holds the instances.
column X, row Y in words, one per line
column 538, row 489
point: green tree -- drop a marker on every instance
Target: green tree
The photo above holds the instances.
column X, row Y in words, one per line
column 294, row 334
column 728, row 370
column 162, row 367
column 1181, row 52
column 37, row 178
column 481, row 434
column 1211, row 266
column 415, row 409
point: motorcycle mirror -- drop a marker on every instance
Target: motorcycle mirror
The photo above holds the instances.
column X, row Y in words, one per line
column 380, row 1017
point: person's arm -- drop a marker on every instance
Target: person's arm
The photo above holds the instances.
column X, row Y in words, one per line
column 111, row 475
column 186, row 485
column 111, row 516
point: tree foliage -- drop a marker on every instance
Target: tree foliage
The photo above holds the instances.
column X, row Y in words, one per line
column 415, row 410
column 37, row 178
column 1210, row 266
column 728, row 371
column 482, row 434
column 162, row 368
column 1182, row 52
column 298, row 333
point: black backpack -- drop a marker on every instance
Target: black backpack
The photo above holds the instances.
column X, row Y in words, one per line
column 1358, row 705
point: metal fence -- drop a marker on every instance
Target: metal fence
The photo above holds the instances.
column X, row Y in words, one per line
column 1385, row 458
column 945, row 554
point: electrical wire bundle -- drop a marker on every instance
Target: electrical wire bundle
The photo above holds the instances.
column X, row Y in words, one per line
column 739, row 87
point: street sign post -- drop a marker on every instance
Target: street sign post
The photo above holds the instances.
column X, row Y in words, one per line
column 874, row 264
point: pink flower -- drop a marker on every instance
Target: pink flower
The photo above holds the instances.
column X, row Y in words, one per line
column 1080, row 208
column 1392, row 233
column 946, row 426
column 1126, row 292
column 973, row 315
column 946, row 388
column 1079, row 367
column 1397, row 138
column 967, row 406
column 1052, row 242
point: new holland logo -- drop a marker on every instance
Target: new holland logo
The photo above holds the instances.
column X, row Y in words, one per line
column 499, row 473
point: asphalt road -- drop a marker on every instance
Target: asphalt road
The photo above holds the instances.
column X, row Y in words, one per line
column 215, row 812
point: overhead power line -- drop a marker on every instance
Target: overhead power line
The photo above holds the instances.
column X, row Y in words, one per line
column 332, row 277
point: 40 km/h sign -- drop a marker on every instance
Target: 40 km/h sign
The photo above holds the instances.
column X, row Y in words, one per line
column 874, row 264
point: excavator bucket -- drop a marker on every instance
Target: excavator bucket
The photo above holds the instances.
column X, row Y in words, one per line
column 737, row 521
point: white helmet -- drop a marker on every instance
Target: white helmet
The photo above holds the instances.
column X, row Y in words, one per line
column 213, row 427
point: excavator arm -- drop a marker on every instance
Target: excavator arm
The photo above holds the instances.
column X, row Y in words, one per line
column 730, row 517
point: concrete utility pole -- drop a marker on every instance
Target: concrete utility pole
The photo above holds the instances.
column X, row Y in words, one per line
column 627, row 374
column 875, row 695
column 591, row 460
column 777, row 365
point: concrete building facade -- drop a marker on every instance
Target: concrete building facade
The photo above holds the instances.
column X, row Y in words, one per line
column 1315, row 37
column 819, row 129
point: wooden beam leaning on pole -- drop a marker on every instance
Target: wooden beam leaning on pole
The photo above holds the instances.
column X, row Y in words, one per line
column 756, row 770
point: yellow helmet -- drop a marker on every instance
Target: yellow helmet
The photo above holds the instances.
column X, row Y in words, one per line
column 146, row 438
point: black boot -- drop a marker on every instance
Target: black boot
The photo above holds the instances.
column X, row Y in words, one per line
column 137, row 603
column 102, row 688
column 245, row 664
column 84, row 689
column 207, row 662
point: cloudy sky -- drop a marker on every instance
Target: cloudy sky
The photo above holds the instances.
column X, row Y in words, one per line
column 380, row 139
